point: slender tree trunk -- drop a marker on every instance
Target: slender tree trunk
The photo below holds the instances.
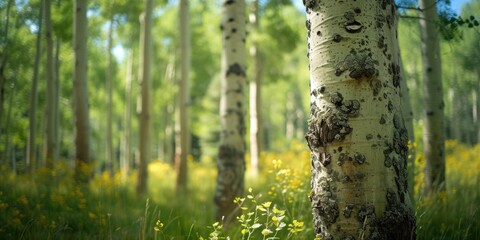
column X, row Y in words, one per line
column 51, row 88
column 231, row 153
column 32, row 147
column 300, row 115
column 290, row 116
column 356, row 133
column 182, row 147
column 433, row 126
column 255, row 95
column 109, row 81
column 58, row 95
column 80, row 92
column 3, row 62
column 127, row 156
column 145, row 57
column 57, row 122
column 168, row 112
column 8, row 150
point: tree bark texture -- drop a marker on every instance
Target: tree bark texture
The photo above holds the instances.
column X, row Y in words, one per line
column 31, row 145
column 356, row 132
column 433, row 116
column 407, row 114
column 80, row 91
column 145, row 62
column 255, row 102
column 231, row 153
column 182, row 147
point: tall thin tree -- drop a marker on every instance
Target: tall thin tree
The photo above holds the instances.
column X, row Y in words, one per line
column 32, row 118
column 51, row 88
column 231, row 152
column 109, row 87
column 433, row 115
column 182, row 143
column 80, row 91
column 255, row 94
column 145, row 62
column 356, row 133
column 127, row 155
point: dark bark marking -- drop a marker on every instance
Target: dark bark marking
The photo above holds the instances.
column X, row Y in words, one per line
column 359, row 64
column 351, row 25
column 359, row 158
column 309, row 5
column 337, row 37
column 236, row 69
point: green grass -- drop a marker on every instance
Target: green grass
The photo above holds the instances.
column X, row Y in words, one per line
column 50, row 205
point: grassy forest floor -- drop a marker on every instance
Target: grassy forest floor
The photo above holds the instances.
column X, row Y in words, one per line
column 47, row 204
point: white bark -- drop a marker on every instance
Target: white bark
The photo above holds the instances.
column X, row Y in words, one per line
column 255, row 102
column 356, row 134
column 231, row 159
column 433, row 126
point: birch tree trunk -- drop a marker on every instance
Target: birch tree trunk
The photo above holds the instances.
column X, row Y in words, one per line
column 255, row 96
column 109, row 80
column 182, row 144
column 433, row 126
column 3, row 61
column 231, row 153
column 127, row 156
column 145, row 62
column 80, row 91
column 356, row 133
column 50, row 77
column 32, row 147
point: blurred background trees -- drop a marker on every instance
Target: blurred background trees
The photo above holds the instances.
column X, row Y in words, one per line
column 277, row 68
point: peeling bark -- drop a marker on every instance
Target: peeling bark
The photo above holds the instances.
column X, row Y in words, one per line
column 356, row 132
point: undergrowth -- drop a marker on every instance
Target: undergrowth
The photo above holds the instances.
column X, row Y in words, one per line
column 48, row 204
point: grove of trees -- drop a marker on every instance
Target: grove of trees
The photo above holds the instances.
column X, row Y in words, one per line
column 370, row 88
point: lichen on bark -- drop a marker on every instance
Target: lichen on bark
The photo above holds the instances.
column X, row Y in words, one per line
column 356, row 135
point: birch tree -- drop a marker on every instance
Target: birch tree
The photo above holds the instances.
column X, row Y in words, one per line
column 255, row 94
column 433, row 125
column 145, row 62
column 356, row 133
column 32, row 118
column 231, row 159
column 51, row 139
column 109, row 85
column 80, row 94
column 182, row 143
